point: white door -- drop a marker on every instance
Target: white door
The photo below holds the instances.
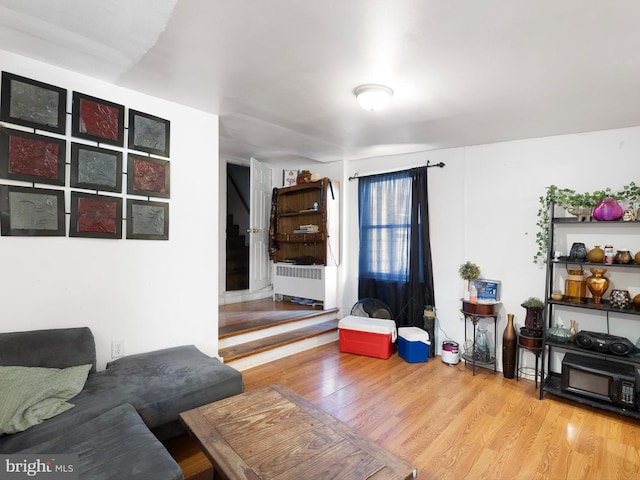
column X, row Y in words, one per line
column 261, row 191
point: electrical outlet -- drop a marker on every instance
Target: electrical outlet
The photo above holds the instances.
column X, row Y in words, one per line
column 117, row 348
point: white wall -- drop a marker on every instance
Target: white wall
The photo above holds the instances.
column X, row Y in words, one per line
column 483, row 208
column 151, row 294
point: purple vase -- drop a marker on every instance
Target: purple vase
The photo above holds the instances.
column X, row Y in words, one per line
column 607, row 209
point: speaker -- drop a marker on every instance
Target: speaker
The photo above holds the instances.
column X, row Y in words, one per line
column 604, row 343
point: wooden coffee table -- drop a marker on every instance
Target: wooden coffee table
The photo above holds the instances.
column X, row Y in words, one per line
column 273, row 433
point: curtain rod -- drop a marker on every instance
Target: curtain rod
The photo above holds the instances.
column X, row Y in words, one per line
column 429, row 165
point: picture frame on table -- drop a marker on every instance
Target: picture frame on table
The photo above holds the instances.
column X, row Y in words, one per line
column 95, row 216
column 148, row 176
column 96, row 168
column 148, row 133
column 147, row 220
column 31, row 157
column 31, row 212
column 289, row 178
column 98, row 120
column 34, row 104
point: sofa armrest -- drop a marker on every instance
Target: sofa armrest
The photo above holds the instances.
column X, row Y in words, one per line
column 52, row 348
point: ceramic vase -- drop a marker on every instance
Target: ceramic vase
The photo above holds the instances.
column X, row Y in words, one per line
column 578, row 252
column 509, row 343
column 607, row 209
column 622, row 257
column 620, row 299
column 636, row 302
column 597, row 283
column 596, row 255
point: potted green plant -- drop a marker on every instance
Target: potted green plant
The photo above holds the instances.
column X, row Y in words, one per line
column 469, row 271
column 567, row 198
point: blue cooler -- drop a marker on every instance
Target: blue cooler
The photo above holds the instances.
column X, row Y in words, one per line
column 413, row 344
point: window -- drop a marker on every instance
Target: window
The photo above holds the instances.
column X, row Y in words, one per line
column 385, row 224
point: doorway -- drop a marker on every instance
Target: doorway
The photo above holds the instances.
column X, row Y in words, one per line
column 238, row 217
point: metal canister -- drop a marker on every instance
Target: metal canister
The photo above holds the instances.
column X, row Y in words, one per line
column 608, row 254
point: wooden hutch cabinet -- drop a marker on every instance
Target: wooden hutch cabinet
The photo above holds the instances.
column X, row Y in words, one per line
column 307, row 223
column 307, row 241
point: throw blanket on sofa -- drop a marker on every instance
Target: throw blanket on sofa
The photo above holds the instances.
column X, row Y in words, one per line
column 31, row 395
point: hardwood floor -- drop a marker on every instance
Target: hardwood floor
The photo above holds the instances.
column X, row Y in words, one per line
column 451, row 425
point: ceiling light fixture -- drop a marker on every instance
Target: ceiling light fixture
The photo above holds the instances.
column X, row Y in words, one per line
column 373, row 97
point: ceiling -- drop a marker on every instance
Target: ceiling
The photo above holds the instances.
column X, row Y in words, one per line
column 281, row 73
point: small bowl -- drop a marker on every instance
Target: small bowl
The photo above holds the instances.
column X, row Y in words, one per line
column 557, row 296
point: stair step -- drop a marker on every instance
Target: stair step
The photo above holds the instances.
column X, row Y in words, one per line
column 241, row 323
column 243, row 350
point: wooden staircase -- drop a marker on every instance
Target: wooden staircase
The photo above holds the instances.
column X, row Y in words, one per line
column 258, row 332
column 237, row 258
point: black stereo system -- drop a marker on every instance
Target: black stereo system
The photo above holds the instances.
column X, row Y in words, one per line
column 604, row 343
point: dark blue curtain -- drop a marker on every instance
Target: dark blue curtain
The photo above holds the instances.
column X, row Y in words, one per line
column 395, row 254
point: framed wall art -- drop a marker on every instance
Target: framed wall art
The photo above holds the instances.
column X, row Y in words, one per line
column 148, row 133
column 98, row 120
column 289, row 178
column 32, row 158
column 31, row 212
column 148, row 176
column 95, row 216
column 96, row 168
column 33, row 104
column 147, row 220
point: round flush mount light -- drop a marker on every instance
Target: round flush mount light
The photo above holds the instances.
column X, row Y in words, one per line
column 373, row 97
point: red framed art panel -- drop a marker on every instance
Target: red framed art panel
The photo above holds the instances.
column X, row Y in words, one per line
column 95, row 216
column 98, row 120
column 148, row 176
column 32, row 158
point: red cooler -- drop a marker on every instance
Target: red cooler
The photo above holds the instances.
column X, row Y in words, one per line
column 373, row 337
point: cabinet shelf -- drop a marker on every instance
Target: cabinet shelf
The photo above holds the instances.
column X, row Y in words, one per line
column 469, row 358
column 566, row 261
column 605, row 306
column 574, row 221
column 300, row 213
column 552, row 386
column 301, row 237
column 629, row 359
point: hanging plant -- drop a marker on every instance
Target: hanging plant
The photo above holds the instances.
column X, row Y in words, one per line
column 567, row 198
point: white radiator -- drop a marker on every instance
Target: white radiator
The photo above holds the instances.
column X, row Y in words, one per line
column 316, row 282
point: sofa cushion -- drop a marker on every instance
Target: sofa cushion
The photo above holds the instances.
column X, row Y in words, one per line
column 164, row 383
column 116, row 444
column 53, row 348
column 33, row 394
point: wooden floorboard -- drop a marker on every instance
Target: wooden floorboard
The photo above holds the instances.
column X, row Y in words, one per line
column 452, row 425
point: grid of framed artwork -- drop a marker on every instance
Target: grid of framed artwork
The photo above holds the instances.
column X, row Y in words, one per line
column 33, row 150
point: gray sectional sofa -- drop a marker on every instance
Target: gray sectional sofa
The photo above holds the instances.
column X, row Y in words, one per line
column 123, row 412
